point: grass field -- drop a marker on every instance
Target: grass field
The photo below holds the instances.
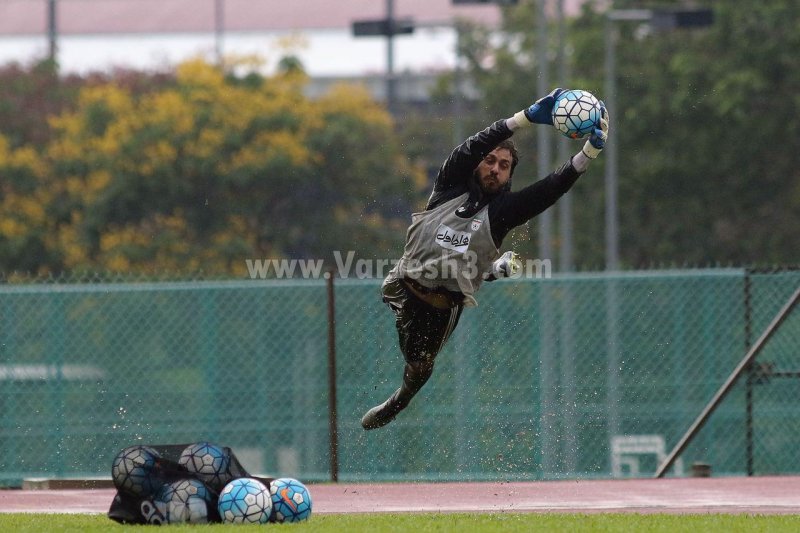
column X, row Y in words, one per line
column 426, row 522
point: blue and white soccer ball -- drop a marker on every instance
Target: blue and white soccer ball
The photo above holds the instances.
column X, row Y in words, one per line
column 208, row 462
column 291, row 501
column 244, row 501
column 575, row 113
column 135, row 470
column 185, row 501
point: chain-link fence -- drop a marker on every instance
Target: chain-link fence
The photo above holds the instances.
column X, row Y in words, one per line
column 772, row 383
column 586, row 375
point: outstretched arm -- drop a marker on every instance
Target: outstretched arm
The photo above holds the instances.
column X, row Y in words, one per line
column 458, row 167
column 516, row 208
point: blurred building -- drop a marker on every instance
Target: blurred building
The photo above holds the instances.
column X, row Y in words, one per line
column 93, row 35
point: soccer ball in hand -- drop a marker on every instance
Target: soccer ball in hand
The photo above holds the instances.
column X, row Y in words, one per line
column 208, row 462
column 575, row 113
column 245, row 500
column 135, row 470
column 291, row 501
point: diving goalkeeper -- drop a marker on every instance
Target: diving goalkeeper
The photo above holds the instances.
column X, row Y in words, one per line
column 454, row 244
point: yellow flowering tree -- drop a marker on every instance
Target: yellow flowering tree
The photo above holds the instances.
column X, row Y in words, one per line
column 208, row 170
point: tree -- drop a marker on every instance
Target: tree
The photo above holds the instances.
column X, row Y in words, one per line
column 705, row 122
column 24, row 228
column 203, row 173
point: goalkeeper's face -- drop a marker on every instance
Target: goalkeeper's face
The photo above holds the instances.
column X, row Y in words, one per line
column 494, row 171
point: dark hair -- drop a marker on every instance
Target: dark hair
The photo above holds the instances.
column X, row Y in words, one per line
column 509, row 145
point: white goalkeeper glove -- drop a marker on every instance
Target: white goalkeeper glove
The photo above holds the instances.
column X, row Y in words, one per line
column 508, row 265
column 597, row 139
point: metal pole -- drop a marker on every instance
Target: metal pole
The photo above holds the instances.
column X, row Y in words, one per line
column 566, row 263
column 390, row 86
column 333, row 431
column 52, row 30
column 219, row 29
column 613, row 393
column 544, row 138
column 748, row 391
column 548, row 378
column 610, row 152
column 458, row 107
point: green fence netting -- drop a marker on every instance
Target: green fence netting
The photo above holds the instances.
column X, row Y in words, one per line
column 578, row 376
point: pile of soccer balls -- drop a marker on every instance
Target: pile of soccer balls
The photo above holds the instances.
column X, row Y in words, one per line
column 247, row 500
column 208, row 492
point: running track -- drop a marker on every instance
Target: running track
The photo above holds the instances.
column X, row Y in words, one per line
column 755, row 495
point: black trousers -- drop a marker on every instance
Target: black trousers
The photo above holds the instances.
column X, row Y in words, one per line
column 422, row 332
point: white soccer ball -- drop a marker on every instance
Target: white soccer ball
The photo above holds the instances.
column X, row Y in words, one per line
column 291, row 500
column 245, row 500
column 575, row 113
column 208, row 462
column 184, row 501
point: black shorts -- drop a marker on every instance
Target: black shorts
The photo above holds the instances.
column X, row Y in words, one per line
column 422, row 329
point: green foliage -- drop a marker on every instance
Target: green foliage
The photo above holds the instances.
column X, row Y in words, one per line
column 705, row 123
column 200, row 172
column 706, row 134
column 201, row 168
column 27, row 97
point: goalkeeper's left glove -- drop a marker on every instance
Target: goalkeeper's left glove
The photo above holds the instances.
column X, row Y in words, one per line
column 597, row 139
column 508, row 265
column 541, row 111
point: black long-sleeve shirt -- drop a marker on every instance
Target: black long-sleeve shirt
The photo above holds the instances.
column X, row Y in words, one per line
column 507, row 209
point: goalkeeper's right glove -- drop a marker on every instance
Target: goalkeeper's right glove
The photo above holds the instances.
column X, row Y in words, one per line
column 599, row 135
column 541, row 111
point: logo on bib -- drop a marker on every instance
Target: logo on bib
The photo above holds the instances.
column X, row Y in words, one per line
column 447, row 237
column 476, row 224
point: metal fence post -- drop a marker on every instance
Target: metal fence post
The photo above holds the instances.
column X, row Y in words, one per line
column 332, row 423
column 748, row 395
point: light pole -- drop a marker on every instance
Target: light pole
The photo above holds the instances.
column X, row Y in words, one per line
column 52, row 29
column 391, row 86
column 565, row 227
column 219, row 29
column 659, row 20
column 611, row 181
column 544, row 142
column 664, row 20
column 388, row 27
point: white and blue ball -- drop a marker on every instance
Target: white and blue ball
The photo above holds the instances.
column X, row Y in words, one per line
column 208, row 462
column 575, row 113
column 291, row 500
column 135, row 471
column 245, row 501
column 185, row 501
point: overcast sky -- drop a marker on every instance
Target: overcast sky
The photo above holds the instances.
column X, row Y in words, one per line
column 102, row 34
column 323, row 52
column 147, row 34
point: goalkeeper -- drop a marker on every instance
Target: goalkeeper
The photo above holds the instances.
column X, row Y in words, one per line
column 453, row 245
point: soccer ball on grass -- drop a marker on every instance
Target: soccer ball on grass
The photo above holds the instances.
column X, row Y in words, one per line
column 243, row 501
column 184, row 501
column 291, row 501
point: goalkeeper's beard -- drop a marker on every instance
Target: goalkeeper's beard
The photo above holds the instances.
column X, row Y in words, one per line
column 489, row 184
